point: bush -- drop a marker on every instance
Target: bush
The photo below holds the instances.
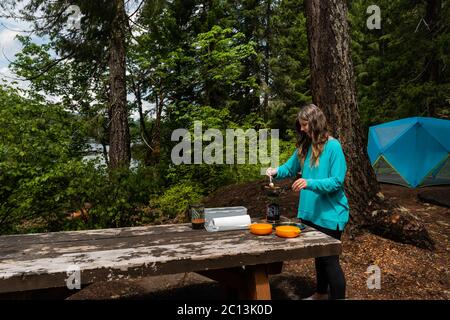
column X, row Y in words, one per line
column 175, row 201
column 40, row 150
column 43, row 177
column 117, row 202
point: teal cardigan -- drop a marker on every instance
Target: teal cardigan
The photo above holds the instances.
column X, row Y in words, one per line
column 323, row 201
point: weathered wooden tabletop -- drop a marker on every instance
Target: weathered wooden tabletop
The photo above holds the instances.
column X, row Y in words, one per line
column 36, row 261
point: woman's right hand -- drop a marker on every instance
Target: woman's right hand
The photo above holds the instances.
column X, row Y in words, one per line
column 271, row 171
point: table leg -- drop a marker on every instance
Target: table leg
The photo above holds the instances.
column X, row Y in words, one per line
column 249, row 283
column 258, row 282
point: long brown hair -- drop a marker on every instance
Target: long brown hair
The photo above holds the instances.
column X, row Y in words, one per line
column 318, row 129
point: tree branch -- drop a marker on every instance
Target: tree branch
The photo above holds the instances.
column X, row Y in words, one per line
column 47, row 67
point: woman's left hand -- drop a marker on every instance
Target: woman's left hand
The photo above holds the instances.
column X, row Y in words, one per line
column 299, row 184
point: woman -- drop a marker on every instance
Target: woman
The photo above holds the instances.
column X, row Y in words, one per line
column 323, row 204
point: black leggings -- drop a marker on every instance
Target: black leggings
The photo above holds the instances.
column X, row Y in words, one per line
column 328, row 270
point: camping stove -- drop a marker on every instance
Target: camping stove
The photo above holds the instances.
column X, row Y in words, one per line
column 273, row 205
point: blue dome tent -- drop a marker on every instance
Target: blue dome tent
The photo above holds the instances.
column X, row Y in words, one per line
column 412, row 152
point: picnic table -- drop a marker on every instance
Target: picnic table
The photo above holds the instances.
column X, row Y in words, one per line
column 240, row 260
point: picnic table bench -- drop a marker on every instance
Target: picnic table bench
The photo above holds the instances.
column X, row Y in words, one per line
column 237, row 258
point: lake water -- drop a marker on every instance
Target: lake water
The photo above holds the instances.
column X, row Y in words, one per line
column 95, row 152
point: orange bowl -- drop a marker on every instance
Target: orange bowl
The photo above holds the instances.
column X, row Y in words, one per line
column 261, row 228
column 287, row 231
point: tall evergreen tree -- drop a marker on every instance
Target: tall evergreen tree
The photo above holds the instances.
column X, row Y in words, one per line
column 401, row 67
column 333, row 89
column 98, row 39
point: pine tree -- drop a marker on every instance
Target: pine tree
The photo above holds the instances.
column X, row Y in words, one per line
column 99, row 39
column 333, row 89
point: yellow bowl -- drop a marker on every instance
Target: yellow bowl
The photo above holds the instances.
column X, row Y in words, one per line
column 287, row 231
column 261, row 228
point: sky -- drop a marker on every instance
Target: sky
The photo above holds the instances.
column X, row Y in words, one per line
column 9, row 45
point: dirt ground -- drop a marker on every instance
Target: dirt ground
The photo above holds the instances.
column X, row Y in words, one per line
column 407, row 272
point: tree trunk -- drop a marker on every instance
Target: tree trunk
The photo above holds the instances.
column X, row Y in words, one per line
column 119, row 144
column 432, row 65
column 143, row 127
column 145, row 134
column 267, row 36
column 156, row 134
column 333, row 89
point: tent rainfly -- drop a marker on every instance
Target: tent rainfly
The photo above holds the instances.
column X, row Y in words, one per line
column 413, row 152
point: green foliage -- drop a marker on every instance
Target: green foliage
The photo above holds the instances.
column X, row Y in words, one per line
column 213, row 68
column 39, row 146
column 219, row 53
column 43, row 176
column 117, row 199
column 78, row 84
column 289, row 64
column 175, row 200
column 212, row 176
column 401, row 68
